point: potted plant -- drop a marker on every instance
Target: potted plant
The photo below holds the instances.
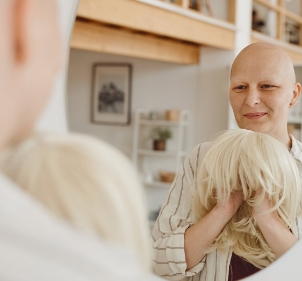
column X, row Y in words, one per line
column 160, row 135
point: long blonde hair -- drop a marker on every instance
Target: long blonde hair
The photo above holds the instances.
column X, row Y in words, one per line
column 246, row 160
column 85, row 181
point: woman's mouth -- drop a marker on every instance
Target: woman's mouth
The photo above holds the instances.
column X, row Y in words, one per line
column 255, row 115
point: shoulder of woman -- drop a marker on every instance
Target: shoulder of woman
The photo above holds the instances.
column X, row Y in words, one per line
column 296, row 149
column 195, row 158
column 299, row 225
column 199, row 151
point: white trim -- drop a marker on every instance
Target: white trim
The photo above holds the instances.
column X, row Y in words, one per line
column 285, row 45
column 189, row 14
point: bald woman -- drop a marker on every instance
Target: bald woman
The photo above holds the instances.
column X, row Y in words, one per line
column 262, row 89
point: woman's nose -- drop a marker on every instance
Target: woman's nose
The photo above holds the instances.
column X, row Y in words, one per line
column 252, row 98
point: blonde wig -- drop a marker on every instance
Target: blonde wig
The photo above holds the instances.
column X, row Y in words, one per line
column 246, row 160
column 86, row 182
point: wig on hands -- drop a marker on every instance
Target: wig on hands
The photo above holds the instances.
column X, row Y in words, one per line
column 258, row 165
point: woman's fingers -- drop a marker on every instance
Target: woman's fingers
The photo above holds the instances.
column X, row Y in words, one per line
column 229, row 206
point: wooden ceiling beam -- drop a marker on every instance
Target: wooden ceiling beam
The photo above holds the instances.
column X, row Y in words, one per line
column 140, row 16
column 96, row 37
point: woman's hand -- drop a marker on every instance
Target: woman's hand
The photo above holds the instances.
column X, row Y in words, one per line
column 229, row 207
column 275, row 232
column 196, row 248
column 263, row 207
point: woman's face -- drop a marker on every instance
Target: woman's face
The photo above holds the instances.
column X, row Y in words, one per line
column 262, row 89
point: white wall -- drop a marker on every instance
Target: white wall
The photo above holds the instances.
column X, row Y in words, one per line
column 202, row 89
column 212, row 105
column 242, row 39
column 293, row 6
column 155, row 85
column 220, row 9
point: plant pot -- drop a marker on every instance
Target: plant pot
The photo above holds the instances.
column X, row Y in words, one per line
column 159, row 145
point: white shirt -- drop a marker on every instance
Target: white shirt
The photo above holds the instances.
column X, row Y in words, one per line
column 36, row 246
column 175, row 217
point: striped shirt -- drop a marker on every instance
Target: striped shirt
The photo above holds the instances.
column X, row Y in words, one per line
column 175, row 217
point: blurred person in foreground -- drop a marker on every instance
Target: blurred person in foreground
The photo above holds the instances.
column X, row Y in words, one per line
column 87, row 183
column 36, row 245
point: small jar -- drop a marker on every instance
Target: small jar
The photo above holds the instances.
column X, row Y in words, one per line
column 172, row 115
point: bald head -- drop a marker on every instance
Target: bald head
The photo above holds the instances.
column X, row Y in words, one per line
column 259, row 54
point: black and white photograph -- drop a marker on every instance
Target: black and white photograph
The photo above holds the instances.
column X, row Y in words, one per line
column 111, row 91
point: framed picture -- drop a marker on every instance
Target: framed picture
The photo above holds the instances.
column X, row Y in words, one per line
column 111, row 94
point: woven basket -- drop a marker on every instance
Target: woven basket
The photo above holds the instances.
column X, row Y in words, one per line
column 166, row 176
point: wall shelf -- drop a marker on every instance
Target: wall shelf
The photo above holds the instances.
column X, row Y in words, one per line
column 168, row 153
column 161, row 123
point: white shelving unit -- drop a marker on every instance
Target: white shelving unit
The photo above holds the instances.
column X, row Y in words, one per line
column 143, row 152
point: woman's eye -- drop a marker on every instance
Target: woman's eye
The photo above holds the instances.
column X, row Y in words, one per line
column 240, row 87
column 267, row 86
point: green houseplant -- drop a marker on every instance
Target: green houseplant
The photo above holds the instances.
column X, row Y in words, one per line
column 160, row 136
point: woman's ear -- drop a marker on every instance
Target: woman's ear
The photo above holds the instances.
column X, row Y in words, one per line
column 296, row 95
column 37, row 39
column 19, row 11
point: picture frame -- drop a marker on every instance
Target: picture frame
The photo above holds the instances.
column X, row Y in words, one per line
column 111, row 93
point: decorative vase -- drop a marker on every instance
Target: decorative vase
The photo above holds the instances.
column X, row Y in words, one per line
column 159, row 145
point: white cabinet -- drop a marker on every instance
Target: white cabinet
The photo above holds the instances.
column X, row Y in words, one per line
column 149, row 162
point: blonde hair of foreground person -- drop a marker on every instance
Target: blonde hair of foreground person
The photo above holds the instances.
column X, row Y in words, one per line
column 246, row 160
column 85, row 181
